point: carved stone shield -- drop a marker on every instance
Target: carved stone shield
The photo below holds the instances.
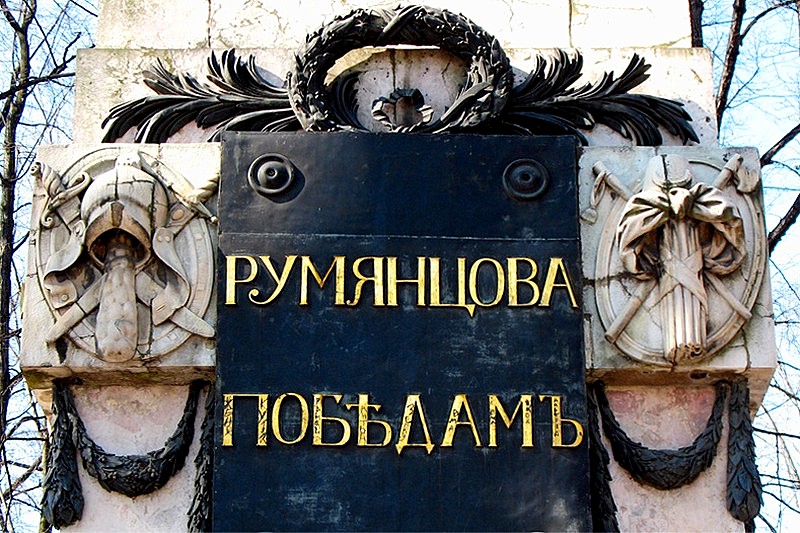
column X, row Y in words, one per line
column 631, row 304
column 115, row 195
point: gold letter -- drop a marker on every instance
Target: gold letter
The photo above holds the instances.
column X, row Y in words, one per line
column 514, row 281
column 452, row 423
column 227, row 417
column 558, row 421
column 392, row 281
column 556, row 265
column 473, row 282
column 276, row 418
column 279, row 280
column 412, row 404
column 496, row 407
column 462, row 286
column 364, row 421
column 319, row 420
column 230, row 276
column 377, row 279
column 307, row 266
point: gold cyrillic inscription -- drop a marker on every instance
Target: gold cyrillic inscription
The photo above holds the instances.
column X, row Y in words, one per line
column 482, row 283
column 227, row 417
column 364, row 421
column 319, row 419
column 413, row 405
column 412, row 430
column 558, row 421
column 276, row 418
column 460, row 403
column 496, row 408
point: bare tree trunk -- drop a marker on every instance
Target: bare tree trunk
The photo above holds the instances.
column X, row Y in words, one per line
column 731, row 55
column 12, row 115
column 696, row 18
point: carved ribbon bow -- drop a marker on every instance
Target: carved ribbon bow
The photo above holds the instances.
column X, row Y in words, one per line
column 721, row 233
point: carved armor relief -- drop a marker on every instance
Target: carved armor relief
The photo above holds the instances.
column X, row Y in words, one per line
column 680, row 255
column 123, row 256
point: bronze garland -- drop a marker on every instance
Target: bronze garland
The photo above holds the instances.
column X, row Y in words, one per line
column 201, row 508
column 663, row 469
column 604, row 510
column 237, row 97
column 668, row 469
column 134, row 475
column 131, row 475
column 744, row 483
column 62, row 496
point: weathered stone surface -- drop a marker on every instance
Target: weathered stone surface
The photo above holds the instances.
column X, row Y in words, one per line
column 262, row 24
column 152, row 24
column 669, row 417
column 614, row 23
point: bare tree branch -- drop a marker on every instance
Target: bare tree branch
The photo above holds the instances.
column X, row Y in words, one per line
column 766, row 157
column 696, row 18
column 776, row 433
column 767, row 11
column 39, row 56
column 22, row 478
column 731, row 55
column 35, row 81
column 10, row 17
column 777, row 233
column 83, row 8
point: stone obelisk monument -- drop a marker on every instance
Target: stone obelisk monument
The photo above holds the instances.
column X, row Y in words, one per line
column 361, row 266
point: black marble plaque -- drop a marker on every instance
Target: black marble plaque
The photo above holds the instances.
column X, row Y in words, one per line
column 430, row 307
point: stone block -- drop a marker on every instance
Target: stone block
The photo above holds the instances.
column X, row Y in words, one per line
column 762, row 351
column 66, row 283
column 618, row 347
column 613, row 23
column 261, row 24
column 152, row 24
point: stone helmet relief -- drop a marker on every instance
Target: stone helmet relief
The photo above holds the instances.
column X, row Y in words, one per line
column 114, row 258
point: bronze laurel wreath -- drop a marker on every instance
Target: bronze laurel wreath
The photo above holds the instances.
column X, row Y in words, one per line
column 489, row 76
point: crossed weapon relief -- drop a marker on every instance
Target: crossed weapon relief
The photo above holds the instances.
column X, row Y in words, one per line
column 112, row 244
column 671, row 236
